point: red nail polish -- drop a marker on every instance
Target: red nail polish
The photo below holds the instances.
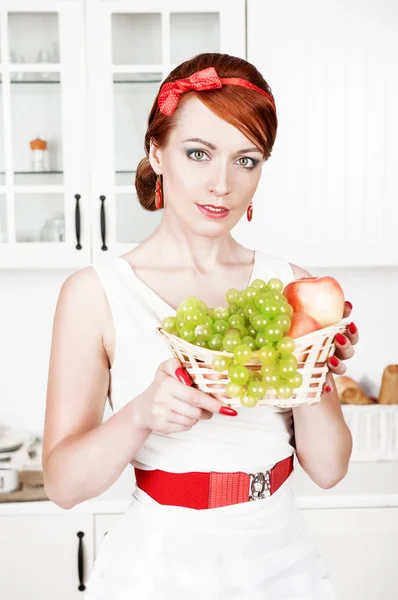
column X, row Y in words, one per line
column 226, row 410
column 327, row 388
column 352, row 328
column 334, row 361
column 341, row 339
column 183, row 376
column 349, row 303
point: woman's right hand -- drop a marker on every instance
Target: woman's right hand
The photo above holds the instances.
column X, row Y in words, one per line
column 168, row 405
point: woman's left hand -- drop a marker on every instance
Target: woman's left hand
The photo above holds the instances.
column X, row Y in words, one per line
column 344, row 346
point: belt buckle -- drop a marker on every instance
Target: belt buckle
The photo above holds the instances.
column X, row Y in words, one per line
column 259, row 485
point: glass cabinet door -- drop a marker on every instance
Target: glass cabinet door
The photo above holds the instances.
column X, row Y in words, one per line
column 43, row 150
column 131, row 49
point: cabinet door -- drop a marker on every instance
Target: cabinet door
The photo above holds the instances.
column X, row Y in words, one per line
column 103, row 523
column 328, row 194
column 43, row 146
column 360, row 548
column 40, row 556
column 132, row 47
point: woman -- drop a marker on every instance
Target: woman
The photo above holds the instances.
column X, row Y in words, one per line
column 188, row 536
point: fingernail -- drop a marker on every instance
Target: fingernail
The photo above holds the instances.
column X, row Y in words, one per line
column 226, row 410
column 334, row 361
column 352, row 328
column 349, row 303
column 327, row 388
column 341, row 339
column 183, row 376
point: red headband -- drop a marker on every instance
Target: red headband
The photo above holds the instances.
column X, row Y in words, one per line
column 206, row 79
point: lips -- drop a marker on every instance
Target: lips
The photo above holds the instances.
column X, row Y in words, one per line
column 212, row 211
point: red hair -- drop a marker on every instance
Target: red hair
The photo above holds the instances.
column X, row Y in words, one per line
column 252, row 113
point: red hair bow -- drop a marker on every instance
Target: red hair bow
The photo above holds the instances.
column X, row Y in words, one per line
column 206, row 79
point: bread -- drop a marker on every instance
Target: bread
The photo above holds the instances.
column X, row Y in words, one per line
column 349, row 391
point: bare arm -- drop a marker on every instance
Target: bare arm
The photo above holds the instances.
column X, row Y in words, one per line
column 82, row 457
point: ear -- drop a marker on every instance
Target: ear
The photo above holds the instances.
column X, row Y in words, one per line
column 155, row 157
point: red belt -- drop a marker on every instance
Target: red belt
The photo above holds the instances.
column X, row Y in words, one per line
column 212, row 490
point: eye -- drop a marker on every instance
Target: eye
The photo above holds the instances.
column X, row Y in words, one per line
column 253, row 161
column 251, row 165
column 192, row 152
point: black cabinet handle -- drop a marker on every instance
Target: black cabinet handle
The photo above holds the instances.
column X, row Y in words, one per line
column 80, row 562
column 103, row 224
column 77, row 222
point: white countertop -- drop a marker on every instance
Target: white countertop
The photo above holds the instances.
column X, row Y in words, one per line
column 365, row 485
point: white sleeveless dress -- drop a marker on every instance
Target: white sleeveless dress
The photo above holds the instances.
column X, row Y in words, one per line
column 257, row 550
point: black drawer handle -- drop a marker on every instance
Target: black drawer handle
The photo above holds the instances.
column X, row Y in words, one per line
column 80, row 562
column 77, row 222
column 103, row 224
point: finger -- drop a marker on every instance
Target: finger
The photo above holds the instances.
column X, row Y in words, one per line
column 336, row 366
column 343, row 346
column 202, row 400
column 169, row 367
column 187, row 410
column 329, row 384
column 352, row 333
column 347, row 309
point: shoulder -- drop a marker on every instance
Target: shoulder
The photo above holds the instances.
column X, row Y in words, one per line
column 299, row 272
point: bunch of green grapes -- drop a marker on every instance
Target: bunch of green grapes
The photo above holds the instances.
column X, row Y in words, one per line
column 253, row 327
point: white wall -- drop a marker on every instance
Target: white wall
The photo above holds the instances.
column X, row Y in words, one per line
column 27, row 304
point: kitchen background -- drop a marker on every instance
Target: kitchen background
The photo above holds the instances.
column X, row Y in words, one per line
column 92, row 70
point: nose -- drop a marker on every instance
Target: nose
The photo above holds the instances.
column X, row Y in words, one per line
column 220, row 184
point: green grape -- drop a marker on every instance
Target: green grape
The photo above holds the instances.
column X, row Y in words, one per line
column 248, row 401
column 215, row 341
column 188, row 304
column 286, row 345
column 242, row 353
column 261, row 339
column 259, row 322
column 256, row 389
column 268, row 355
column 240, row 299
column 275, row 285
column 221, row 363
column 250, row 310
column 194, row 317
column 220, row 326
column 271, row 379
column 207, row 321
column 260, row 285
column 254, row 375
column 221, row 313
column 252, row 332
column 236, row 320
column 187, row 334
column 180, row 323
column 260, row 300
column 284, row 321
column 230, row 341
column 169, row 324
column 231, row 295
column 277, row 296
column 241, row 311
column 273, row 332
column 291, row 359
column 234, row 390
column 203, row 333
column 270, row 308
column 250, row 293
column 238, row 374
column 233, row 309
column 286, row 309
column 210, row 313
column 286, row 369
column 200, row 343
column 284, row 391
column 249, row 341
column 266, row 369
column 203, row 306
column 295, row 380
column 242, row 330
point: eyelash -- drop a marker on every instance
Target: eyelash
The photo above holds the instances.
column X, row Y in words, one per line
column 254, row 161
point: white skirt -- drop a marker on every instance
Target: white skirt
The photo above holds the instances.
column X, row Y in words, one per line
column 258, row 550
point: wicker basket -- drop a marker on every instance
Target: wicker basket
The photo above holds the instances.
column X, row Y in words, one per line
column 374, row 430
column 312, row 351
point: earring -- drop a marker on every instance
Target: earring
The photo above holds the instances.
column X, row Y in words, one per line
column 158, row 193
column 250, row 212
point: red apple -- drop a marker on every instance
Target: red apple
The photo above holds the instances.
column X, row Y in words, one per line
column 302, row 324
column 322, row 298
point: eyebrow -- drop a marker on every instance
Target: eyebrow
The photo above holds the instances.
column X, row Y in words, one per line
column 213, row 147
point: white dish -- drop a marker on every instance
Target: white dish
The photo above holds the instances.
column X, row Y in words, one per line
column 12, row 438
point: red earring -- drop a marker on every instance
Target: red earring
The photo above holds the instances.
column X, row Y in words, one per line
column 250, row 212
column 158, row 193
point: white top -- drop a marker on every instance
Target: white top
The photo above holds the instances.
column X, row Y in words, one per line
column 253, row 441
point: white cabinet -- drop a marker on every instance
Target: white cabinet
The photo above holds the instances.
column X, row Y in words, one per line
column 102, row 524
column 360, row 547
column 328, row 194
column 91, row 71
column 45, row 556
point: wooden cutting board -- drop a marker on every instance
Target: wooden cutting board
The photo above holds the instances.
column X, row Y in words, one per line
column 31, row 487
